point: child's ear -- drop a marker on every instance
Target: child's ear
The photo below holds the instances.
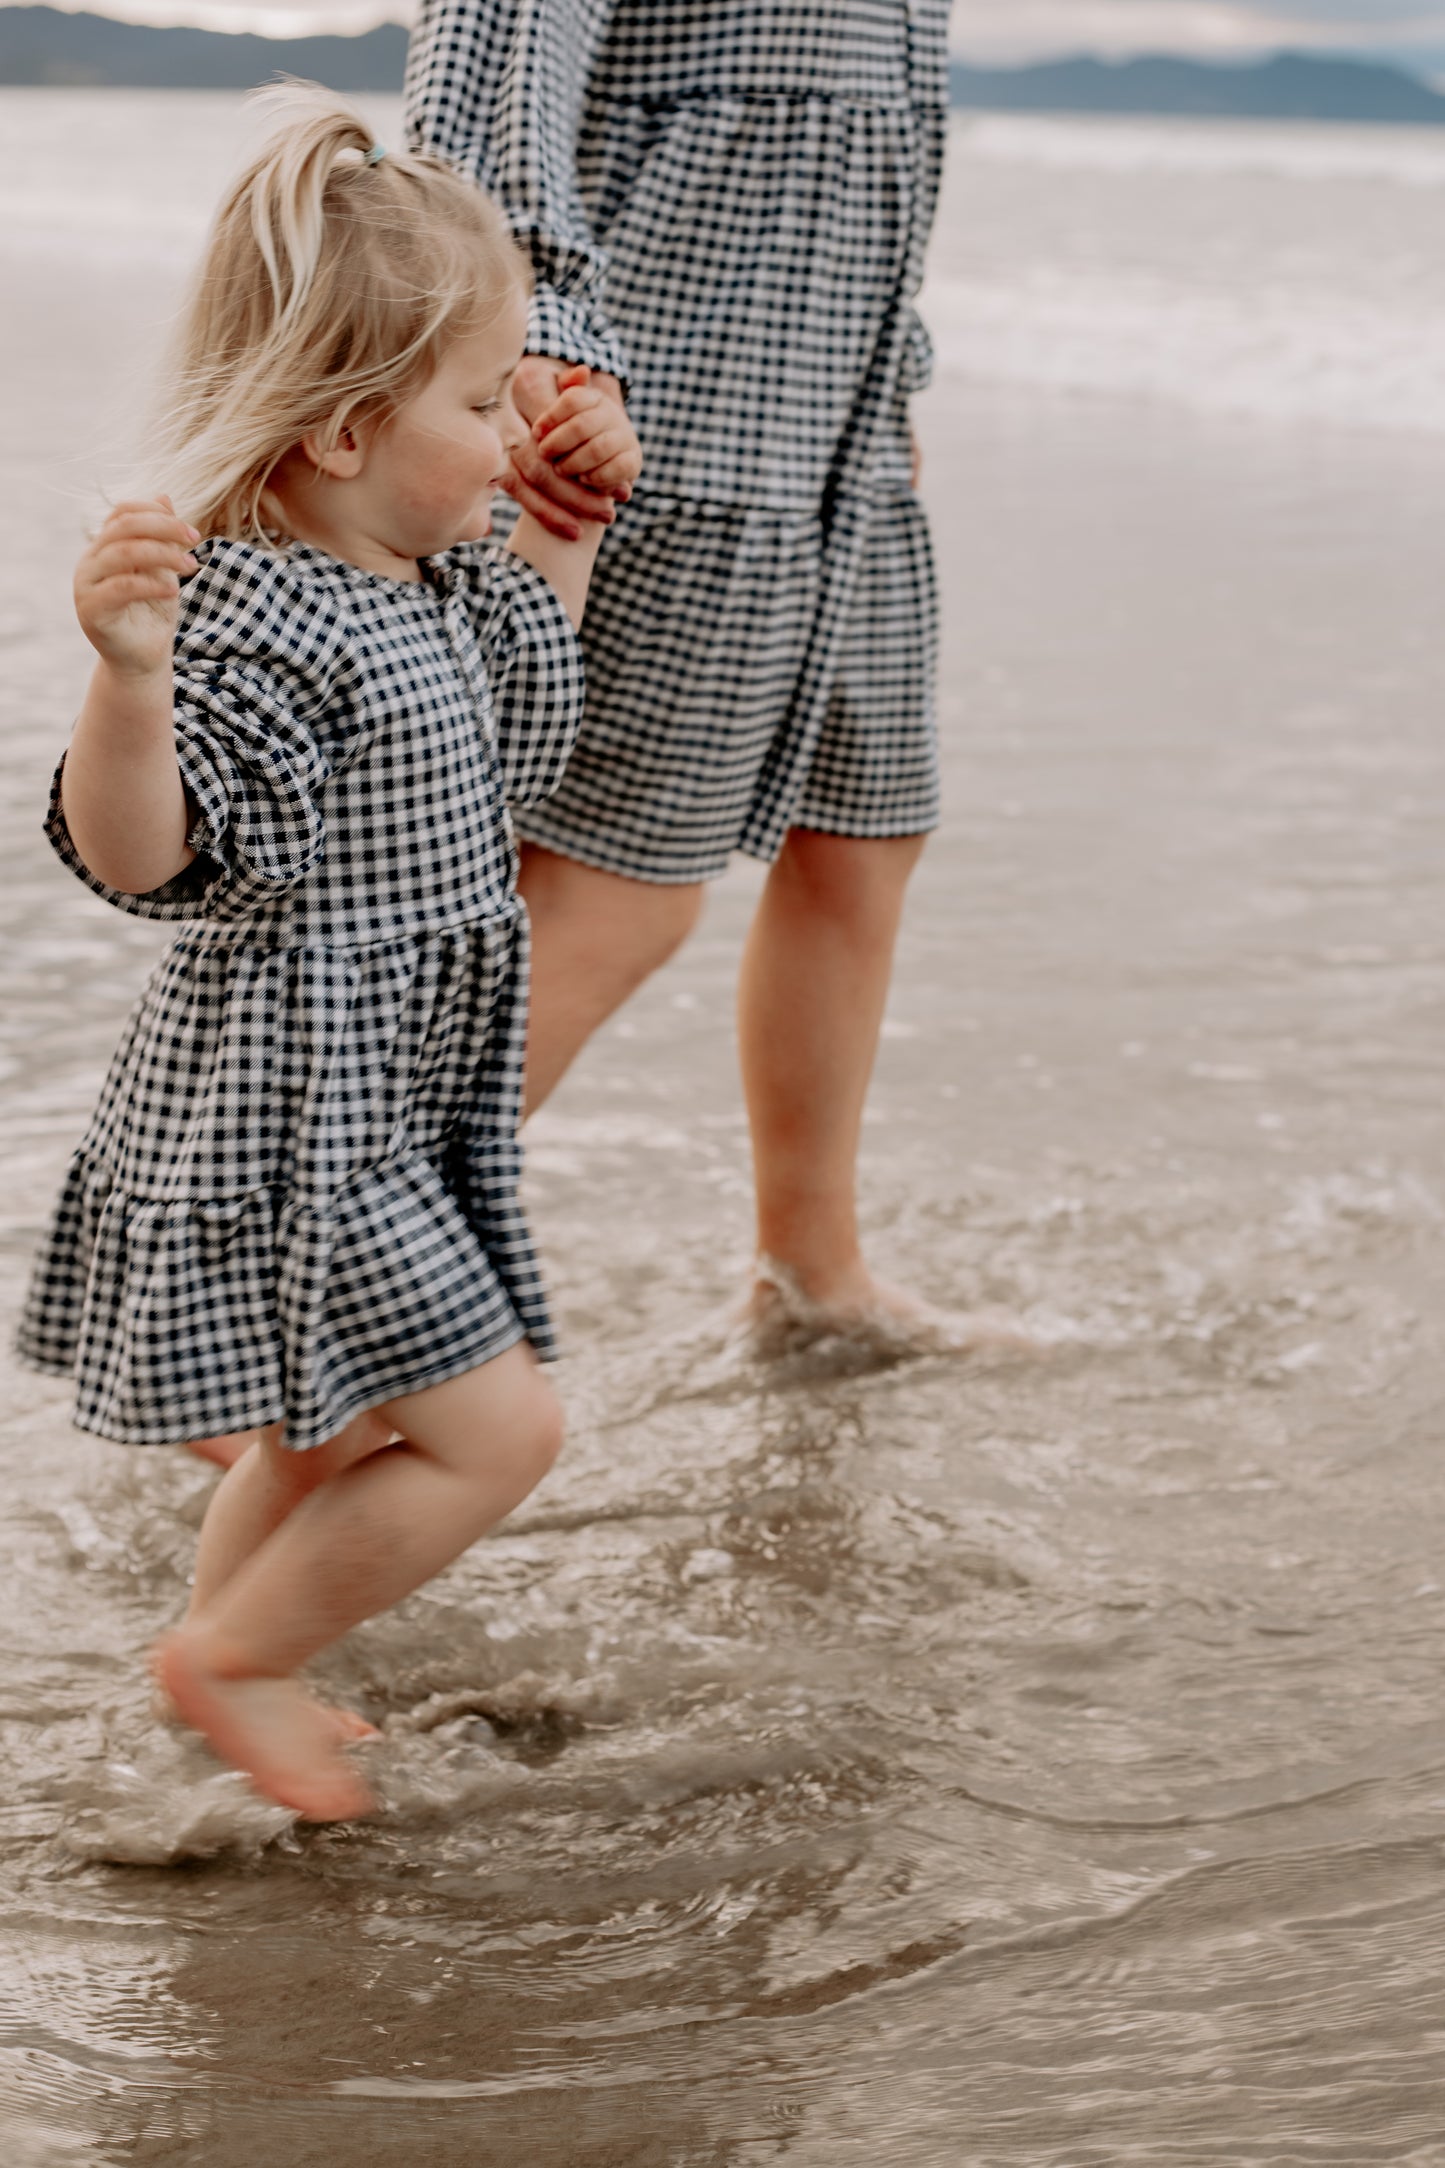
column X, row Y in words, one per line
column 341, row 459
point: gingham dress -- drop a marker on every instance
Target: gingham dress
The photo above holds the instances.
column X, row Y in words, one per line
column 298, row 1196
column 755, row 181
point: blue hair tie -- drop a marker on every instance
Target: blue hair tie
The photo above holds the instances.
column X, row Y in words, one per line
column 375, row 155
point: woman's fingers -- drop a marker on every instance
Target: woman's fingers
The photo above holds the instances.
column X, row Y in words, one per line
column 545, row 510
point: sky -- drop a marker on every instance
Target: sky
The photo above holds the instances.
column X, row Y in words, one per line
column 1411, row 31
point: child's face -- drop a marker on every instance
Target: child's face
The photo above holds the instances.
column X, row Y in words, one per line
column 433, row 467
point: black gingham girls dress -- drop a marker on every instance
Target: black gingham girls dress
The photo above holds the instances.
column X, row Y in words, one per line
column 298, row 1196
column 756, row 179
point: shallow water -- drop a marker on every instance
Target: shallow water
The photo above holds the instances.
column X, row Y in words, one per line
column 1032, row 1764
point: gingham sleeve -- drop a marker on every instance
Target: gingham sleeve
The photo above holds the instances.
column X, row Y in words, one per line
column 534, row 669
column 917, row 370
column 496, row 88
column 258, row 663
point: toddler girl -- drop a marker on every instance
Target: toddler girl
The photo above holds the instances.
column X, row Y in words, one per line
column 296, row 1211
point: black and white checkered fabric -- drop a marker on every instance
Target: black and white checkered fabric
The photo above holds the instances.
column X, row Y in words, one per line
column 298, row 1197
column 754, row 182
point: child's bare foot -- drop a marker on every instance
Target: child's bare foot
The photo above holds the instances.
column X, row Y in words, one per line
column 284, row 1742
column 346, row 1725
column 780, row 1315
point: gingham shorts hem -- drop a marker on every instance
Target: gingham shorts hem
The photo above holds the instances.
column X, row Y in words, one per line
column 624, row 860
column 749, row 672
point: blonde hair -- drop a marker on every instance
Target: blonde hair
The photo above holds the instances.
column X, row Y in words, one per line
column 333, row 279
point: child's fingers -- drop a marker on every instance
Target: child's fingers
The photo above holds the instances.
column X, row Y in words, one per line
column 143, row 523
column 119, row 593
column 579, row 429
column 141, row 532
column 565, row 409
column 601, row 451
column 137, row 554
column 545, row 482
column 616, row 476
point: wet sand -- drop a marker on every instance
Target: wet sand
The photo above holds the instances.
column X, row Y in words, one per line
column 1027, row 1764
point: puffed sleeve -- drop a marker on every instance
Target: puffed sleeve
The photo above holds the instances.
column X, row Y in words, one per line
column 496, row 88
column 534, row 671
column 263, row 702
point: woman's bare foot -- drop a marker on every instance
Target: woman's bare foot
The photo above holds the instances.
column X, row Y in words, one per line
column 780, row 1316
column 284, row 1742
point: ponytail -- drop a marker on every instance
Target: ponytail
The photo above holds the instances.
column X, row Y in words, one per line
column 333, row 277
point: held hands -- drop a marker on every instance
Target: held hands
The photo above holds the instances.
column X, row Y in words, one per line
column 128, row 586
column 581, row 455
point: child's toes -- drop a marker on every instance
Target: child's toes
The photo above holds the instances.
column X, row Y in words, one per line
column 348, row 1726
column 268, row 1728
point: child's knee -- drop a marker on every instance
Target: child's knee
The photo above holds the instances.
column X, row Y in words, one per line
column 301, row 1470
column 547, row 1430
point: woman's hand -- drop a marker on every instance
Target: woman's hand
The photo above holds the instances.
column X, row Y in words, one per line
column 128, row 586
column 554, row 498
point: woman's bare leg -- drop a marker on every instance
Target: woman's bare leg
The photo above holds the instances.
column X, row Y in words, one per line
column 811, row 997
column 361, row 1539
column 595, row 937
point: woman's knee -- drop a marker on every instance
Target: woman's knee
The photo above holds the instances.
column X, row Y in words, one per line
column 613, row 926
column 849, row 877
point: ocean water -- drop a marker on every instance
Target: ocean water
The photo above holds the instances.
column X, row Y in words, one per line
column 1029, row 1763
column 1286, row 273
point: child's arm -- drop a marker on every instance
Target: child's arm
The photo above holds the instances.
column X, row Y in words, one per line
column 121, row 791
column 587, row 437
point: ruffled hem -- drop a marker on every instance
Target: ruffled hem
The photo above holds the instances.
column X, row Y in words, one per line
column 180, row 1319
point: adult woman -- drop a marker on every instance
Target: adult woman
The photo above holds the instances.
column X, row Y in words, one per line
column 757, row 181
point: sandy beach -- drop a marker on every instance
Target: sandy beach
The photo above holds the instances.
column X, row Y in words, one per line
column 1025, row 1763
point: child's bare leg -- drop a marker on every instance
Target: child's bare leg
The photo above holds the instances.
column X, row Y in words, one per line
column 260, row 1488
column 359, row 1541
column 253, row 1498
column 224, row 1450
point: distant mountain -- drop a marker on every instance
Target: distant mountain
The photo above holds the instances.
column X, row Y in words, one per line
column 43, row 45
column 1288, row 86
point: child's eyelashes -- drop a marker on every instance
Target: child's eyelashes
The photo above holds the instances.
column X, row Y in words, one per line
column 487, row 406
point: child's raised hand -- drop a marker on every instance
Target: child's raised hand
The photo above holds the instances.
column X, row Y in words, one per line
column 128, row 585
column 585, row 435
